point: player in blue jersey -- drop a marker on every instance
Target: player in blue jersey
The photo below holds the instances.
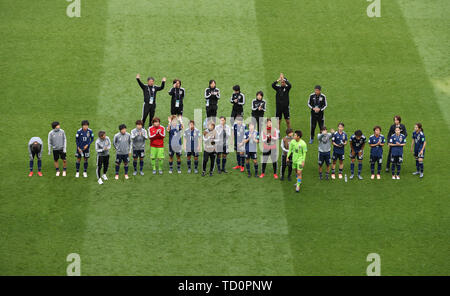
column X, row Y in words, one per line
column 84, row 138
column 250, row 141
column 192, row 145
column 339, row 140
column 175, row 130
column 239, row 134
column 396, row 142
column 357, row 143
column 418, row 144
column 376, row 143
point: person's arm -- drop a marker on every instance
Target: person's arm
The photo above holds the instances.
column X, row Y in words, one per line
column 171, row 92
column 92, row 138
column 391, row 131
column 130, row 145
column 138, row 79
column 29, row 148
column 207, row 93
column 98, row 149
column 264, row 106
column 289, row 85
column 217, row 93
column 49, row 142
column 309, row 103
column 423, row 147
column 412, row 145
column 145, row 134
column 115, row 141
column 78, row 140
column 163, row 134
column 65, row 142
column 405, row 132
column 242, row 100
column 274, row 85
column 324, row 103
column 151, row 133
column 182, row 95
column 163, row 83
column 254, row 105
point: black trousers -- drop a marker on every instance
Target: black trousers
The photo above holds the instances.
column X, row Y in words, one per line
column 235, row 113
column 257, row 117
column 285, row 164
column 316, row 118
column 273, row 155
column 211, row 111
column 102, row 161
column 148, row 110
column 212, row 157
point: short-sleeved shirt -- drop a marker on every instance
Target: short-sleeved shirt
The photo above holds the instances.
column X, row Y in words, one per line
column 419, row 139
column 251, row 145
column 357, row 143
column 297, row 150
column 376, row 151
column 397, row 150
column 339, row 139
column 192, row 138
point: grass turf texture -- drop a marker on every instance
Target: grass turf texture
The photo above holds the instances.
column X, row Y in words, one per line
column 57, row 68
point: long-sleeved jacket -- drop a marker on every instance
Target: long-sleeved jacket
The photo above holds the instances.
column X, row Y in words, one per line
column 150, row 91
column 211, row 99
column 282, row 94
column 177, row 94
column 102, row 147
column 319, row 101
column 256, row 104
column 138, row 138
column 402, row 130
column 285, row 144
column 57, row 140
column 31, row 142
column 239, row 105
column 122, row 143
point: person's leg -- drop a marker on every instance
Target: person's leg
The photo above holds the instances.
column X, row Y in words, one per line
column 205, row 160
column 341, row 166
column 313, row 126
column 141, row 163
column 372, row 167
column 219, row 155
column 105, row 164
column 152, row 114
column 170, row 159
column 196, row 161
column 85, row 166
column 145, row 111
column 359, row 167
column 388, row 162
column 255, row 164
column 188, row 161
column 247, row 164
column 118, row 161
column 224, row 161
column 211, row 165
column 399, row 165
column 379, row 166
column 289, row 167
column 265, row 157
column 352, row 166
column 77, row 164
column 421, row 165
column 135, row 158
column 31, row 163
column 99, row 166
column 39, row 164
column 178, row 162
column 283, row 165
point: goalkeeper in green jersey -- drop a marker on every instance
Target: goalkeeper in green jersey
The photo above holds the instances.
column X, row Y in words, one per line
column 298, row 149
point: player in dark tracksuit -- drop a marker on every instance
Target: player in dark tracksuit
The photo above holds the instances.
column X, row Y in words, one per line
column 397, row 123
column 212, row 95
column 282, row 99
column 238, row 101
column 149, row 91
column 177, row 93
column 258, row 108
column 317, row 103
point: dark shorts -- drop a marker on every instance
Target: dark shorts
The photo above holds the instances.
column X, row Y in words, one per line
column 138, row 153
column 235, row 113
column 338, row 156
column 223, row 150
column 283, row 111
column 176, row 111
column 194, row 154
column 417, row 155
column 173, row 152
column 356, row 155
column 376, row 159
column 324, row 158
column 57, row 154
column 122, row 157
column 251, row 155
column 86, row 154
column 397, row 159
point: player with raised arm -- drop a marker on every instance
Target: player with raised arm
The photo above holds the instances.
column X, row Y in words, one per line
column 418, row 143
column 35, row 147
column 191, row 144
column 57, row 142
column 298, row 149
column 177, row 93
column 339, row 140
column 222, row 148
column 239, row 134
column 156, row 133
column 324, row 139
column 149, row 91
column 175, row 129
column 238, row 101
column 396, row 142
column 282, row 98
column 102, row 147
column 284, row 159
column 122, row 144
column 138, row 138
column 250, row 142
column 83, row 138
column 357, row 143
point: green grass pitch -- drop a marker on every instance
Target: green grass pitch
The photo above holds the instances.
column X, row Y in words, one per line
column 58, row 68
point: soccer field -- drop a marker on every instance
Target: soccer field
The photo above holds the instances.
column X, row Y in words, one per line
column 68, row 69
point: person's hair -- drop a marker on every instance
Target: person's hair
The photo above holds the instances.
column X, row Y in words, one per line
column 222, row 117
column 358, row 133
column 318, row 87
column 85, row 122
column 260, row 93
column 324, row 128
column 377, row 127
column 122, row 126
column 299, row 133
column 191, row 121
column 55, row 124
column 177, row 80
column 173, row 117
column 341, row 123
column 150, row 78
column 268, row 119
column 211, row 81
column 139, row 122
column 36, row 147
column 236, row 88
column 251, row 124
column 398, row 118
column 239, row 117
column 419, row 125
column 101, row 133
column 289, row 130
column 156, row 119
column 212, row 122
